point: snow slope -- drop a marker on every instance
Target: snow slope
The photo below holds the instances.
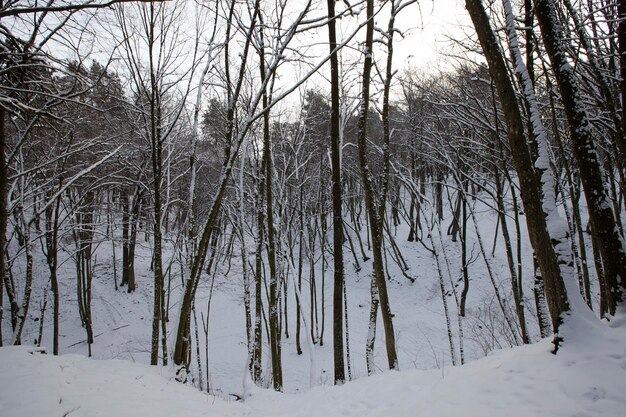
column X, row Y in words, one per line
column 122, row 321
column 584, row 379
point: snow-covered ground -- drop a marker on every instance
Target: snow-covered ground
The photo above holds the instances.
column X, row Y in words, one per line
column 582, row 380
column 122, row 321
column 585, row 379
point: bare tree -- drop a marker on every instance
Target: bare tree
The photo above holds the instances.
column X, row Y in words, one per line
column 375, row 209
column 600, row 213
column 530, row 188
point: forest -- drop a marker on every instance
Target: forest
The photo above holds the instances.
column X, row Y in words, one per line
column 264, row 184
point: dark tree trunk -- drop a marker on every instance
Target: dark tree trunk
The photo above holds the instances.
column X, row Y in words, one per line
column 277, row 373
column 599, row 206
column 130, row 208
column 530, row 190
column 156, row 144
column 125, row 237
column 298, row 289
column 191, row 284
column 621, row 37
column 439, row 194
column 132, row 243
column 51, row 235
column 4, row 182
column 257, row 362
column 374, row 213
column 9, row 287
column 83, row 237
column 540, row 301
column 338, row 359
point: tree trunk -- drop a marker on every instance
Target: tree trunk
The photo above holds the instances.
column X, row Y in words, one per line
column 600, row 212
column 257, row 362
column 374, row 213
column 530, row 190
column 540, row 301
column 4, row 183
column 621, row 38
column 22, row 314
column 277, row 372
column 51, row 235
column 156, row 144
column 191, row 284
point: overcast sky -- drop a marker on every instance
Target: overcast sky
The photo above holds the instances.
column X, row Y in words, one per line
column 435, row 20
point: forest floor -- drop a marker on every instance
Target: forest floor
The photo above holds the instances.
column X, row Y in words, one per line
column 582, row 380
column 585, row 379
column 122, row 321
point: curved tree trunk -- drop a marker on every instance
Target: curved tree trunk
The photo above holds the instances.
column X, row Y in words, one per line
column 600, row 213
column 374, row 212
column 530, row 189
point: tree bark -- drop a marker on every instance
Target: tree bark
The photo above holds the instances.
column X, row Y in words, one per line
column 257, row 362
column 374, row 213
column 51, row 235
column 4, row 182
column 530, row 189
column 338, row 277
column 599, row 206
column 157, row 166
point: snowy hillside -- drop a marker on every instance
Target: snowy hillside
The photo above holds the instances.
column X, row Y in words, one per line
column 583, row 380
column 269, row 208
column 122, row 321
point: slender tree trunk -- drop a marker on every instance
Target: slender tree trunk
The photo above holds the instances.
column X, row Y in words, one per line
column 83, row 237
column 125, row 236
column 439, row 194
column 257, row 362
column 132, row 243
column 22, row 315
column 519, row 304
column 347, row 332
column 241, row 219
column 277, row 372
column 456, row 299
column 4, row 183
column 530, row 190
column 464, row 262
column 157, row 166
column 374, row 213
column 130, row 208
column 9, row 287
column 621, row 38
column 111, row 235
column 52, row 232
column 181, row 345
column 371, row 329
column 42, row 314
column 444, row 299
column 600, row 212
column 298, row 285
column 323, row 253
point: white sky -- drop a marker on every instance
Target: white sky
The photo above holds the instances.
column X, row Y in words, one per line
column 434, row 21
column 427, row 28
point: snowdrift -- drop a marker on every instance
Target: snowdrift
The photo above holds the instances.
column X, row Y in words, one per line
column 585, row 379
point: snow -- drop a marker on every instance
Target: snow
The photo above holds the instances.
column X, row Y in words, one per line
column 35, row 384
column 521, row 380
column 584, row 379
